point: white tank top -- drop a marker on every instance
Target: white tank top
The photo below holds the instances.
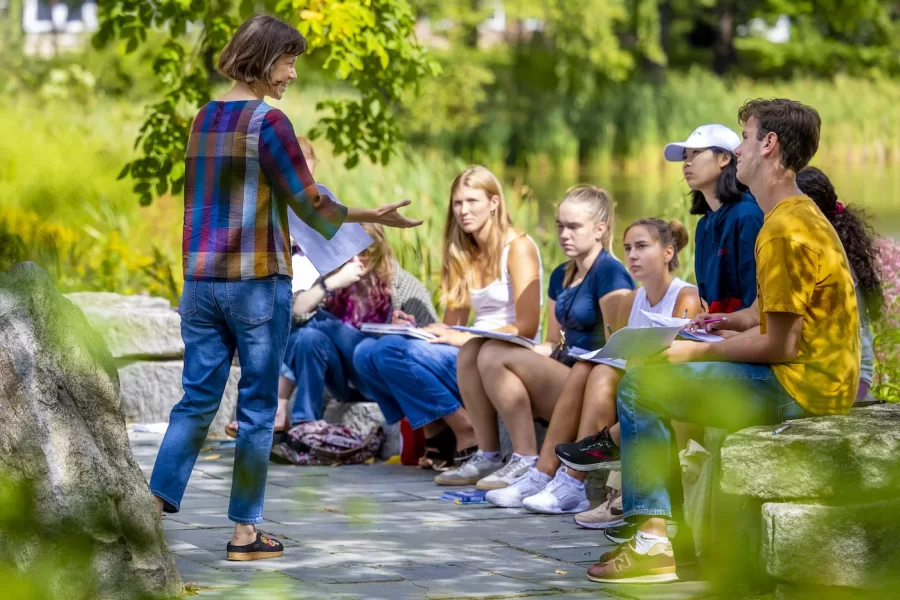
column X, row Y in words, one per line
column 665, row 306
column 495, row 304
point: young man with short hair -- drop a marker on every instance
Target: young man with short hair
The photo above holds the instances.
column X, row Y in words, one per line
column 798, row 357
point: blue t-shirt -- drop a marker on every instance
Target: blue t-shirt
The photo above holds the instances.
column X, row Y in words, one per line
column 725, row 260
column 578, row 306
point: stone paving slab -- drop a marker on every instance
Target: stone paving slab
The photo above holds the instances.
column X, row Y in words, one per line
column 379, row 532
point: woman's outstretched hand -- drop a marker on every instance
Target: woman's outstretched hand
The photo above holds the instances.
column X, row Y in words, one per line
column 387, row 215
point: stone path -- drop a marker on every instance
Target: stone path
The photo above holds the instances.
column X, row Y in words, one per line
column 380, row 532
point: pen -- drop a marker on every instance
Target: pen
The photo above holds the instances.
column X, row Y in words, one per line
column 716, row 320
column 781, row 429
column 685, row 314
column 608, row 329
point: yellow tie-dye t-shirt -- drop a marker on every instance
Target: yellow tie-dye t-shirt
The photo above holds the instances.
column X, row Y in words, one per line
column 802, row 269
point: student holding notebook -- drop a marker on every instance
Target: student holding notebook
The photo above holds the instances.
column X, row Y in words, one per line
column 802, row 359
column 587, row 402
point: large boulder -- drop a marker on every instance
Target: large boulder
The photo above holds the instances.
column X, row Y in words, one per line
column 85, row 525
column 823, row 457
column 151, row 388
column 133, row 326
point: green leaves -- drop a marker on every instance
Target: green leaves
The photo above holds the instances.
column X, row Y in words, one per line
column 370, row 44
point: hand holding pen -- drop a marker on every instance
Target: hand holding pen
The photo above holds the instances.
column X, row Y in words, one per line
column 708, row 322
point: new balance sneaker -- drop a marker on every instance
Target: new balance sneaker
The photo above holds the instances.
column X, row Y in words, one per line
column 608, row 514
column 625, row 565
column 593, row 453
column 681, row 536
column 563, row 495
column 477, row 467
column 517, row 466
column 529, row 484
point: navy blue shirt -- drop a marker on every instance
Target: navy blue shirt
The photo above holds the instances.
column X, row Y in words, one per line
column 578, row 306
column 724, row 261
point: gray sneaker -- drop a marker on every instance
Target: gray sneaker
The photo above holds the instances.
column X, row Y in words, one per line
column 515, row 468
column 470, row 471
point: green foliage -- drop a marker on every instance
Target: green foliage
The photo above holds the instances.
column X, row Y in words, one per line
column 369, row 44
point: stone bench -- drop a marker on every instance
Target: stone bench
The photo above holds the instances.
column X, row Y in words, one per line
column 816, row 507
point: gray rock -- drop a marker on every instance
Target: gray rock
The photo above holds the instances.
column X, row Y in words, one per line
column 848, row 545
column 151, row 388
column 818, row 592
column 820, row 457
column 84, row 507
column 133, row 326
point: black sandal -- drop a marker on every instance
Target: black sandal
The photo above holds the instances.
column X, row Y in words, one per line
column 440, row 451
column 264, row 547
column 463, row 455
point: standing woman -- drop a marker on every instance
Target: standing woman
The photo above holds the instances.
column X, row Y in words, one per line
column 243, row 169
column 489, row 268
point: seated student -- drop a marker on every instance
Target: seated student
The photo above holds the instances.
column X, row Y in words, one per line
column 587, row 403
column 803, row 358
column 521, row 384
column 858, row 239
column 489, row 267
column 724, row 261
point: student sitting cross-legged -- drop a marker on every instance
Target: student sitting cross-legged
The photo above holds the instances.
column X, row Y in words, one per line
column 802, row 359
column 489, row 267
column 587, row 400
column 522, row 384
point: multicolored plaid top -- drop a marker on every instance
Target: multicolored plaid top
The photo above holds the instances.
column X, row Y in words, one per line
column 243, row 168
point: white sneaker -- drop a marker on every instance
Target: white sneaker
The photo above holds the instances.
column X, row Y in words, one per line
column 471, row 471
column 563, row 495
column 517, row 466
column 529, row 484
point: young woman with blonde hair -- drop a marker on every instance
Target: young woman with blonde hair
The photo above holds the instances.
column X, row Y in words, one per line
column 489, row 267
column 521, row 384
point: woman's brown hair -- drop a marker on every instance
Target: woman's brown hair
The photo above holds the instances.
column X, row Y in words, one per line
column 255, row 47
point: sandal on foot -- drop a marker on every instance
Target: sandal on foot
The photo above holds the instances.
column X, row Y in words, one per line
column 439, row 451
column 264, row 547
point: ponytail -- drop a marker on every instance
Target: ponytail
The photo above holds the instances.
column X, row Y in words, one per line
column 673, row 233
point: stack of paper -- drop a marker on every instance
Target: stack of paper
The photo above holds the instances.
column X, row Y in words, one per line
column 405, row 330
column 328, row 255
column 496, row 335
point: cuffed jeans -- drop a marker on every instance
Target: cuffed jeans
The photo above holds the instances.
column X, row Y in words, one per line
column 729, row 396
column 217, row 318
column 409, row 378
column 320, row 354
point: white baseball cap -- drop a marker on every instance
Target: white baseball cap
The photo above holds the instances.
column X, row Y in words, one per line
column 705, row 136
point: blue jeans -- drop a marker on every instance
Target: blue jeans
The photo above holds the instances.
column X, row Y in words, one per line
column 320, row 354
column 729, row 396
column 217, row 318
column 409, row 378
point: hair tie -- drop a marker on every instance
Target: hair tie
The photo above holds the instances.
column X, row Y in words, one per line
column 838, row 208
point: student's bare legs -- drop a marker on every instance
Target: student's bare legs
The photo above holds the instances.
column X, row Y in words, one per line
column 285, row 389
column 566, row 417
column 521, row 385
column 481, row 412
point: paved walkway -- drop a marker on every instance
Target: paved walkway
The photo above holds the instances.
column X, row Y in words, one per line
column 380, row 532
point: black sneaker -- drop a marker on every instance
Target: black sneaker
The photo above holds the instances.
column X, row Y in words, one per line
column 593, row 453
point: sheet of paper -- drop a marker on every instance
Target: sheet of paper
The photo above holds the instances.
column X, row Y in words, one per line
column 635, row 342
column 496, row 335
column 328, row 255
column 579, row 354
column 390, row 329
column 697, row 336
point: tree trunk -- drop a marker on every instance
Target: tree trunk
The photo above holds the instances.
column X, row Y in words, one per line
column 724, row 54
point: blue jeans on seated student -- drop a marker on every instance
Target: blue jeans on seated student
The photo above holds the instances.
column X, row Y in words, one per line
column 320, row 354
column 217, row 318
column 409, row 378
column 725, row 395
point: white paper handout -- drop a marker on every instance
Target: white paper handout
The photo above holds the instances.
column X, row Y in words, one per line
column 497, row 335
column 389, row 329
column 697, row 336
column 633, row 342
column 328, row 255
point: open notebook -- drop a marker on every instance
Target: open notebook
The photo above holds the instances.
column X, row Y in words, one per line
column 405, row 330
column 697, row 336
column 496, row 335
column 630, row 342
